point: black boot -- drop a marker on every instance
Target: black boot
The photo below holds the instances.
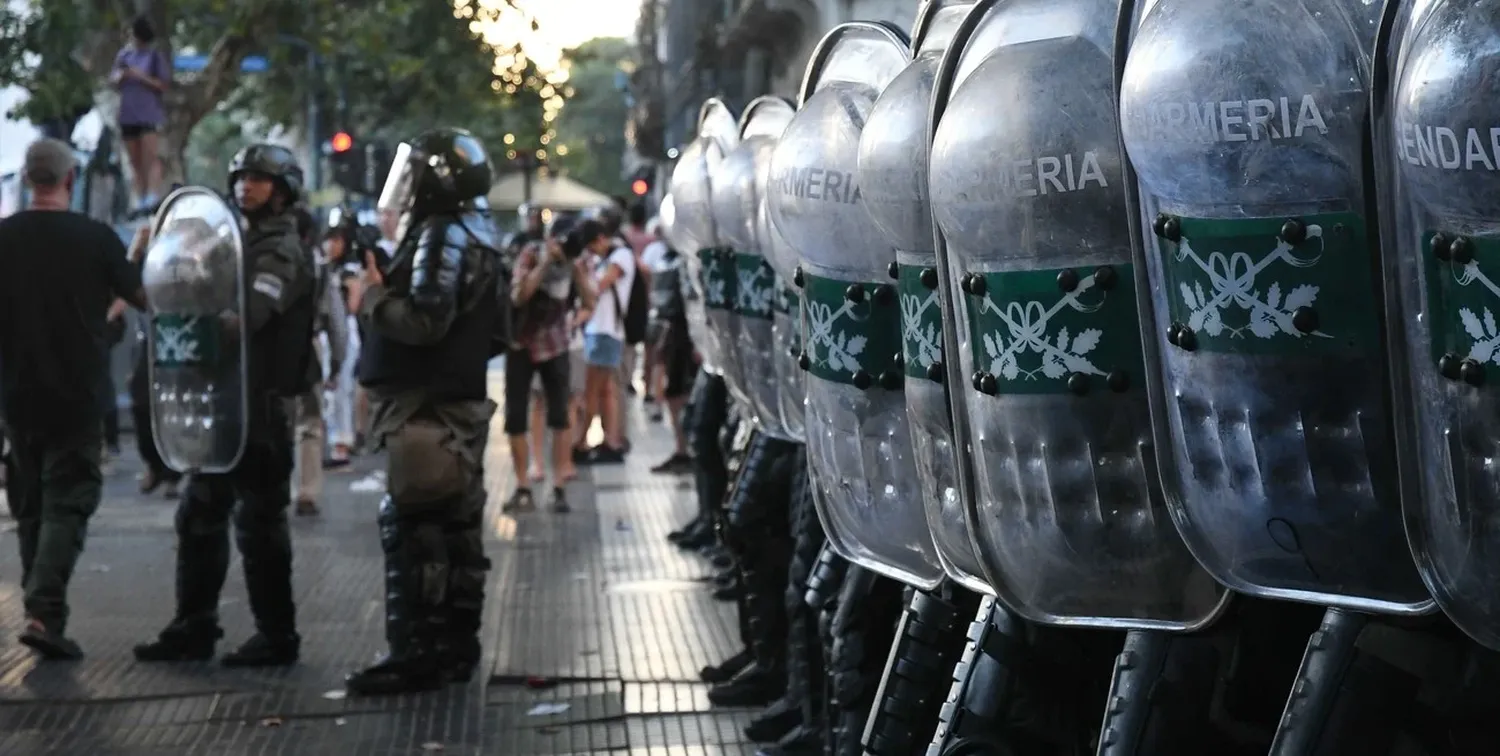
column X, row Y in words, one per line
column 416, row 585
column 726, row 670
column 753, row 686
column 263, row 650
column 181, row 642
column 465, row 597
column 782, row 716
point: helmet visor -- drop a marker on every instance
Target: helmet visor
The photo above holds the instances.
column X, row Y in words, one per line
column 401, row 182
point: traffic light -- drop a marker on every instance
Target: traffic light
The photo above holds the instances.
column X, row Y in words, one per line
column 341, row 142
column 642, row 180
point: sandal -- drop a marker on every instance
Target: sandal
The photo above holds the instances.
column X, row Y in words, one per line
column 520, row 501
column 560, row 501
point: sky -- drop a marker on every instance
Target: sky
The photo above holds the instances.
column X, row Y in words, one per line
column 564, row 24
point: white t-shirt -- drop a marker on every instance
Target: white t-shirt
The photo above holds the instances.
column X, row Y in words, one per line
column 654, row 257
column 606, row 314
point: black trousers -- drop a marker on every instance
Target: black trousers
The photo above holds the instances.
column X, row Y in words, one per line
column 254, row 497
column 54, row 485
column 710, row 413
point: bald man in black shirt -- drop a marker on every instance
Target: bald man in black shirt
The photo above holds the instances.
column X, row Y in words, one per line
column 59, row 273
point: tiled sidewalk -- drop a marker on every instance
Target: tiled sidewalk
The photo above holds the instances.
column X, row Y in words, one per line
column 591, row 609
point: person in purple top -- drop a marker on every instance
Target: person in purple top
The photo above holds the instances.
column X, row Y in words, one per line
column 142, row 73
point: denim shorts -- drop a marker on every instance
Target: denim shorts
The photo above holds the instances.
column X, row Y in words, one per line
column 602, row 350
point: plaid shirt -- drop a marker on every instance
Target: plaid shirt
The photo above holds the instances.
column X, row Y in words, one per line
column 543, row 323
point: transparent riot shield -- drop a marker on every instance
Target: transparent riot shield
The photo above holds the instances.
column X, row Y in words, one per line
column 1435, row 144
column 194, row 280
column 786, row 333
column 859, row 447
column 893, row 186
column 1029, row 203
column 1245, row 122
column 738, row 183
column 786, row 326
column 707, row 264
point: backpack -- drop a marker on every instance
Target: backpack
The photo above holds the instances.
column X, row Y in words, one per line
column 638, row 314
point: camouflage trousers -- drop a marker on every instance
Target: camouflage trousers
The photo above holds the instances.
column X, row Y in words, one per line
column 54, row 485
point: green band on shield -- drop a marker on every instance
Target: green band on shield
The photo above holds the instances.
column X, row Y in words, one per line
column 851, row 332
column 1282, row 286
column 185, row 340
column 1054, row 331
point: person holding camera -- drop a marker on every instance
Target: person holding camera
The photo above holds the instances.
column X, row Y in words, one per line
column 546, row 278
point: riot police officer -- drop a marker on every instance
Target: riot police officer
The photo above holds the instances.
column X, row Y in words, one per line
column 266, row 182
column 433, row 316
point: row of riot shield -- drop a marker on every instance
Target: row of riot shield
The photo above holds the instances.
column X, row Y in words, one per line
column 1115, row 310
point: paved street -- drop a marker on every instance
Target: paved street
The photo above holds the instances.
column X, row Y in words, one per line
column 591, row 610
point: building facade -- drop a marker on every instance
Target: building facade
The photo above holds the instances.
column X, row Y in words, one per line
column 736, row 50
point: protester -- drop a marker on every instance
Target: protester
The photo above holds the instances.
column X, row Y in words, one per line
column 546, row 279
column 142, row 74
column 328, row 340
column 673, row 348
column 343, row 266
column 604, row 341
column 59, row 274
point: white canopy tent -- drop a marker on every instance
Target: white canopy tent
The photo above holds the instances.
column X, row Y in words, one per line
column 550, row 192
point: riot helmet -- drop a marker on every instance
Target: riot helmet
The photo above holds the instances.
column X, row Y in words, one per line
column 274, row 161
column 441, row 170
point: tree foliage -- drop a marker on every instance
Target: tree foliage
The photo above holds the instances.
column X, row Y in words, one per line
column 374, row 67
column 590, row 127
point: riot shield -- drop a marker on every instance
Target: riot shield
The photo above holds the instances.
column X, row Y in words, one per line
column 193, row 275
column 859, row 446
column 738, row 183
column 707, row 265
column 892, row 179
column 1245, row 123
column 786, row 326
column 1441, row 254
column 1029, row 205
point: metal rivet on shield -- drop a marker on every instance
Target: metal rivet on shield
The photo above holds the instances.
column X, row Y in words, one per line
column 791, row 351
column 1067, row 280
column 1078, row 383
column 900, row 360
column 1167, row 227
column 1462, row 250
column 935, row 372
column 797, row 278
column 976, row 285
column 861, row 380
column 929, row 278
column 1174, row 334
column 1448, row 366
column 885, row 294
column 1471, row 372
column 976, row 378
column 1106, row 278
column 988, row 384
column 855, row 293
column 890, row 380
column 1186, row 339
column 803, row 361
column 1293, row 232
column 1119, row 381
column 1305, row 319
column 1441, row 247
column 893, row 270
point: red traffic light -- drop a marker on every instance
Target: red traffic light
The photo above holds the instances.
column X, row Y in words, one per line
column 640, row 187
column 341, row 141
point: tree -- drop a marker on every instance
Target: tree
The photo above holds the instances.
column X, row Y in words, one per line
column 591, row 126
column 403, row 59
